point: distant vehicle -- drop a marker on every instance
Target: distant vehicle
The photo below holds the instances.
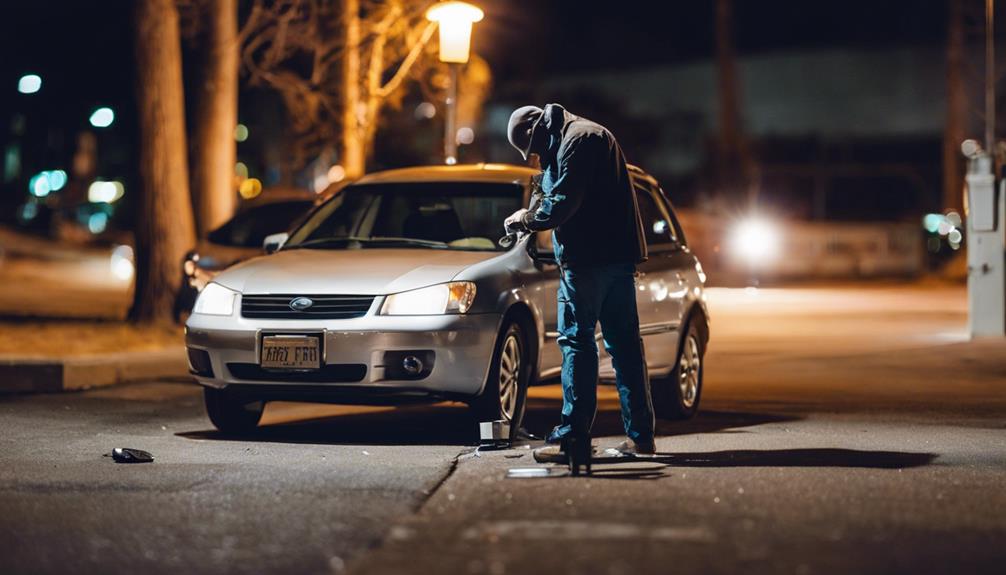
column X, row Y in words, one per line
column 396, row 290
column 237, row 240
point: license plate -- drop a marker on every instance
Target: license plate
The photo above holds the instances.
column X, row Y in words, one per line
column 291, row 352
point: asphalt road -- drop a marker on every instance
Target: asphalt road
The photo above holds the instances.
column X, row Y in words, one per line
column 843, row 430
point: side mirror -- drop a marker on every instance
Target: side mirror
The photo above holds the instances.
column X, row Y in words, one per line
column 273, row 242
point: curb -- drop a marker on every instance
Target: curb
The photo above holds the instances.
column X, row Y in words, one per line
column 49, row 375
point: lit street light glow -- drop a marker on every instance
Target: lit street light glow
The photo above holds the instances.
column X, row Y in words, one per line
column 756, row 241
column 29, row 84
column 102, row 117
column 455, row 20
column 241, row 132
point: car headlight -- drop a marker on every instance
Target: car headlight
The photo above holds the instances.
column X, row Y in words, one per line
column 453, row 297
column 215, row 299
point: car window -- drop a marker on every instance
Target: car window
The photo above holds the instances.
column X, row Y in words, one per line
column 678, row 231
column 450, row 215
column 657, row 225
column 250, row 226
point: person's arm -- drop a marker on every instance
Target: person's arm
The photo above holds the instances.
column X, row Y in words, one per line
column 576, row 167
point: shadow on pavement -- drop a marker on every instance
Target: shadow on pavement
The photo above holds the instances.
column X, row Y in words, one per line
column 542, row 415
column 825, row 457
column 651, row 468
column 446, row 424
column 427, row 425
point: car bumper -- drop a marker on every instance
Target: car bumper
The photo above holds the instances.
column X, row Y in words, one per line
column 360, row 357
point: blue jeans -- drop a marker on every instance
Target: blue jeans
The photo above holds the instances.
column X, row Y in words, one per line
column 605, row 293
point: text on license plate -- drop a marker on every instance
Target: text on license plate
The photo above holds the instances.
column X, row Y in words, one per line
column 291, row 352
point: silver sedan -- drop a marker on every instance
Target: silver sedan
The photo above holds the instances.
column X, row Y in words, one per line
column 396, row 290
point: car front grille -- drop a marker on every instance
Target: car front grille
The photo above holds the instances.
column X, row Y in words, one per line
column 277, row 306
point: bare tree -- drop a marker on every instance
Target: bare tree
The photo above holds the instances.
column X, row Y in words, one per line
column 164, row 229
column 216, row 114
column 336, row 65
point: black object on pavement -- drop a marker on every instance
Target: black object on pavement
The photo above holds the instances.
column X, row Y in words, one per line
column 130, row 455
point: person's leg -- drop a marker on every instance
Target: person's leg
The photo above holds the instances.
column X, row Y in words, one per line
column 579, row 297
column 620, row 326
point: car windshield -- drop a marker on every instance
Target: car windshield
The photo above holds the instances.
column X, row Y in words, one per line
column 430, row 215
column 250, row 226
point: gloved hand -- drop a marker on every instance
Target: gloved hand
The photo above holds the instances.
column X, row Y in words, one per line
column 515, row 223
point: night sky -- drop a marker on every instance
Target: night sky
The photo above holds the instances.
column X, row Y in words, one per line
column 83, row 50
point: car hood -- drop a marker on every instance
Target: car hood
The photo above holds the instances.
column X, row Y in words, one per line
column 351, row 272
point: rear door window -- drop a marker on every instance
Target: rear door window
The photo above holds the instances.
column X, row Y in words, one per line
column 657, row 225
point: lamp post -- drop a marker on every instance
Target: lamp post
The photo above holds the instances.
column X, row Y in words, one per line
column 455, row 21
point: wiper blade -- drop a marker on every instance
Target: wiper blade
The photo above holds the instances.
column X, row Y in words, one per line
column 412, row 241
column 322, row 242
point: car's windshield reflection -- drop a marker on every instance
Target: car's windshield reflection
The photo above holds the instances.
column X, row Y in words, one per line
column 431, row 215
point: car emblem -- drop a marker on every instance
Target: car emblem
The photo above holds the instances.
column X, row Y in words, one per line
column 301, row 303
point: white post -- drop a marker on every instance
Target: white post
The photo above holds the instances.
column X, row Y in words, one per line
column 986, row 247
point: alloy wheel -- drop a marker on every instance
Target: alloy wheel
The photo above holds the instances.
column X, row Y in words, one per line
column 510, row 369
column 689, row 369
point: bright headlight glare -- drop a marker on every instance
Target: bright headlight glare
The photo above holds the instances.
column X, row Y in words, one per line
column 215, row 299
column 454, row 297
column 756, row 241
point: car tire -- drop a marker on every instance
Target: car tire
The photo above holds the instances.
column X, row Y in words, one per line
column 230, row 412
column 676, row 397
column 505, row 392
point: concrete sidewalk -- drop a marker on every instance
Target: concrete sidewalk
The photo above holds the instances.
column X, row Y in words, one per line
column 20, row 374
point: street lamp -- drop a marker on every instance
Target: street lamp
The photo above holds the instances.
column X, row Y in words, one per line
column 455, row 20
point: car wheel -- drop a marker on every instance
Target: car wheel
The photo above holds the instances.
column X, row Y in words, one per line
column 505, row 391
column 677, row 396
column 230, row 412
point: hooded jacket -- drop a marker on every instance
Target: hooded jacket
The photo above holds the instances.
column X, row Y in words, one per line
column 586, row 194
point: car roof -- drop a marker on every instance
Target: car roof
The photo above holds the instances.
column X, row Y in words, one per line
column 493, row 173
column 482, row 172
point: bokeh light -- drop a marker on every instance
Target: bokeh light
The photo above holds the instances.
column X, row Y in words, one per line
column 29, row 84
column 122, row 262
column 250, row 188
column 105, row 192
column 39, row 186
column 241, row 132
column 102, row 117
column 336, row 174
column 466, row 135
column 97, row 222
column 426, row 111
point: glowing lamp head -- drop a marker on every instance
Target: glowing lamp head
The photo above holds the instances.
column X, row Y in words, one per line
column 455, row 20
column 755, row 241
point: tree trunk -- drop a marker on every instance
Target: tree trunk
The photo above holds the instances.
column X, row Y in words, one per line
column 734, row 164
column 953, row 132
column 164, row 228
column 216, row 118
column 353, row 151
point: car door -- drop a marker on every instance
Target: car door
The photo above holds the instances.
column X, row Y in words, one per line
column 545, row 292
column 661, row 289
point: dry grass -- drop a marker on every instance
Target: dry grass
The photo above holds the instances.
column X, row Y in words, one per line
column 40, row 338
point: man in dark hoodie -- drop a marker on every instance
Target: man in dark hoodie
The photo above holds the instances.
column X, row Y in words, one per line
column 588, row 201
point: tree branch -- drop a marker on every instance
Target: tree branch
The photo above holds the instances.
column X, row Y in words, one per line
column 410, row 59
